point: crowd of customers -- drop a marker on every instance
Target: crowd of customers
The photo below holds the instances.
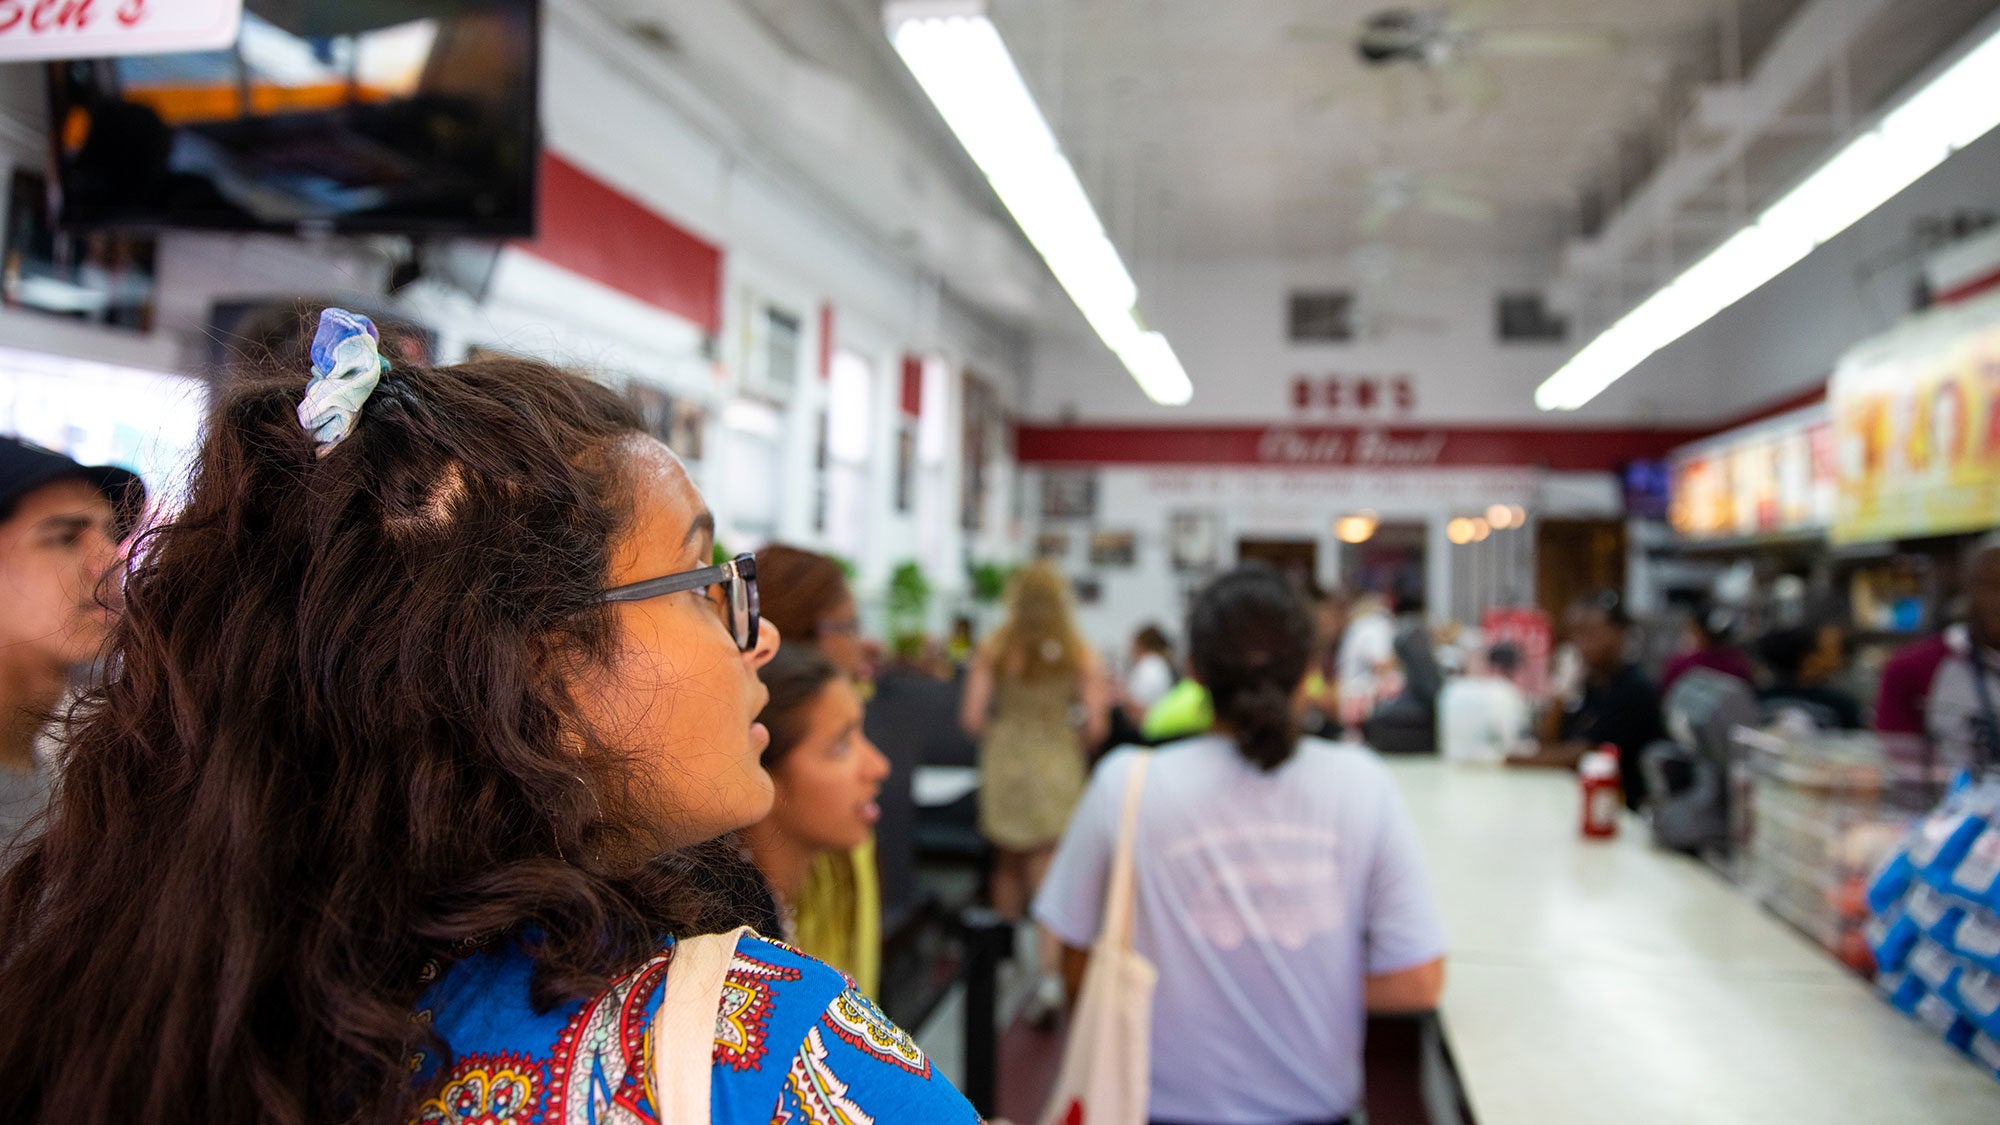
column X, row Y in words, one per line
column 405, row 755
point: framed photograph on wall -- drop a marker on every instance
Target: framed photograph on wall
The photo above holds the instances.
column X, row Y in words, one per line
column 1069, row 494
column 1114, row 548
column 1052, row 545
column 1089, row 590
column 1194, row 540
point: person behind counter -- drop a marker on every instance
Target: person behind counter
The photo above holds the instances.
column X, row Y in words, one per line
column 60, row 526
column 1962, row 707
column 1618, row 704
column 1281, row 890
column 1711, row 637
column 1804, row 661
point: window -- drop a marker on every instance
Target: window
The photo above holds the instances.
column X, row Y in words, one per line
column 775, row 370
column 847, row 444
column 1321, row 316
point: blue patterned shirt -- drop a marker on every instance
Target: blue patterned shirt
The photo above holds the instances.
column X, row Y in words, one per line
column 795, row 1043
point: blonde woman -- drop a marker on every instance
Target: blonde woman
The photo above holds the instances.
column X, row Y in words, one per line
column 1036, row 698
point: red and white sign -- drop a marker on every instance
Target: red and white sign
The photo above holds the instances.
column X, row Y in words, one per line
column 1343, row 447
column 88, row 29
column 1528, row 630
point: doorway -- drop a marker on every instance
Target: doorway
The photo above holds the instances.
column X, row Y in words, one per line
column 1577, row 558
column 1390, row 564
column 1296, row 559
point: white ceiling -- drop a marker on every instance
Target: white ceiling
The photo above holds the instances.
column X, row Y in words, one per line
column 1211, row 131
column 1253, row 128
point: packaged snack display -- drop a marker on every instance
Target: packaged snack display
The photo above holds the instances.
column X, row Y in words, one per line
column 1890, row 940
column 1825, row 815
column 1977, row 939
column 1935, row 931
column 1933, row 912
column 1976, row 877
column 1933, row 964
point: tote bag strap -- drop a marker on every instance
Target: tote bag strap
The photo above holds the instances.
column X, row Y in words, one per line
column 684, row 1029
column 1120, row 898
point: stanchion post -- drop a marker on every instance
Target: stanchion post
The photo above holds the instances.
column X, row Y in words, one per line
column 989, row 940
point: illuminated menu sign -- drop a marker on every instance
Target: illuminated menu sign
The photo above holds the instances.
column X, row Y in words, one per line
column 1916, row 415
column 1775, row 478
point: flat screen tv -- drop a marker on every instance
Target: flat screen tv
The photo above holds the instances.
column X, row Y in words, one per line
column 397, row 116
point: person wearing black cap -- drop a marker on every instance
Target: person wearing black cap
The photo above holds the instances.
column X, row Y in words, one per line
column 60, row 526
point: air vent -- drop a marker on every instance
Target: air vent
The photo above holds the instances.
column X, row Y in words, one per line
column 1321, row 316
column 1524, row 318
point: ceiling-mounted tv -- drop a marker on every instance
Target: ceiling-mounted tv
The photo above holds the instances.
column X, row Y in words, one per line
column 400, row 116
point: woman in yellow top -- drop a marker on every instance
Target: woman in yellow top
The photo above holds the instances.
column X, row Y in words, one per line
column 838, row 913
column 1037, row 699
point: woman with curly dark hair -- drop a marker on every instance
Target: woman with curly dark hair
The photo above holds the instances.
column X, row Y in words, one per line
column 418, row 702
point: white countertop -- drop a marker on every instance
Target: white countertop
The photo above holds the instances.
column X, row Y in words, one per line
column 1608, row 982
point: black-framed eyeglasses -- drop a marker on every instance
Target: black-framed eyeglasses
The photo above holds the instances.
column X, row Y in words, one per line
column 737, row 577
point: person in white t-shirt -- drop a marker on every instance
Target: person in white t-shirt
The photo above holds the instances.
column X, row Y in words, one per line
column 1281, row 888
column 1152, row 673
column 1366, row 656
column 1482, row 716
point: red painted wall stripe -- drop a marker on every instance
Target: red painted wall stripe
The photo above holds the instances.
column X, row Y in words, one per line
column 1968, row 288
column 826, row 340
column 590, row 228
column 1343, row 446
column 913, row 386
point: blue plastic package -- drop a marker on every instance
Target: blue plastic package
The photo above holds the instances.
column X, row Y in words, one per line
column 1891, row 882
column 1902, row 991
column 1941, row 841
column 1977, row 939
column 1976, row 995
column 1932, row 964
column 1934, row 912
column 1976, row 877
column 1891, row 939
column 1941, row 1017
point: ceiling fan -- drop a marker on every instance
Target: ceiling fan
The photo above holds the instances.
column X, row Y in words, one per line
column 1438, row 37
column 1394, row 192
column 1452, row 47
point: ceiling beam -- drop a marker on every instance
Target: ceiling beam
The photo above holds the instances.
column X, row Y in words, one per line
column 1728, row 119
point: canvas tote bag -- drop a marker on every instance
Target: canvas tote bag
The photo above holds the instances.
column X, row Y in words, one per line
column 1105, row 1077
column 684, row 1029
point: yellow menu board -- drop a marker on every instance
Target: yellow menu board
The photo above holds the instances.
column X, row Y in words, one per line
column 1916, row 416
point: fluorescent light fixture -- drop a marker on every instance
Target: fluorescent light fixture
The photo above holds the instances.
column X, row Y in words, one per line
column 958, row 58
column 1954, row 109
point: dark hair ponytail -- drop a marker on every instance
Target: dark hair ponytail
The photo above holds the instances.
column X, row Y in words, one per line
column 1249, row 638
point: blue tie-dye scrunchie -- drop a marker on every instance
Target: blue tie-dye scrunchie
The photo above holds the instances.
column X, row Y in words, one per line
column 347, row 364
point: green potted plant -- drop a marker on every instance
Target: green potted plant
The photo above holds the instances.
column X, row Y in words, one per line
column 909, row 599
